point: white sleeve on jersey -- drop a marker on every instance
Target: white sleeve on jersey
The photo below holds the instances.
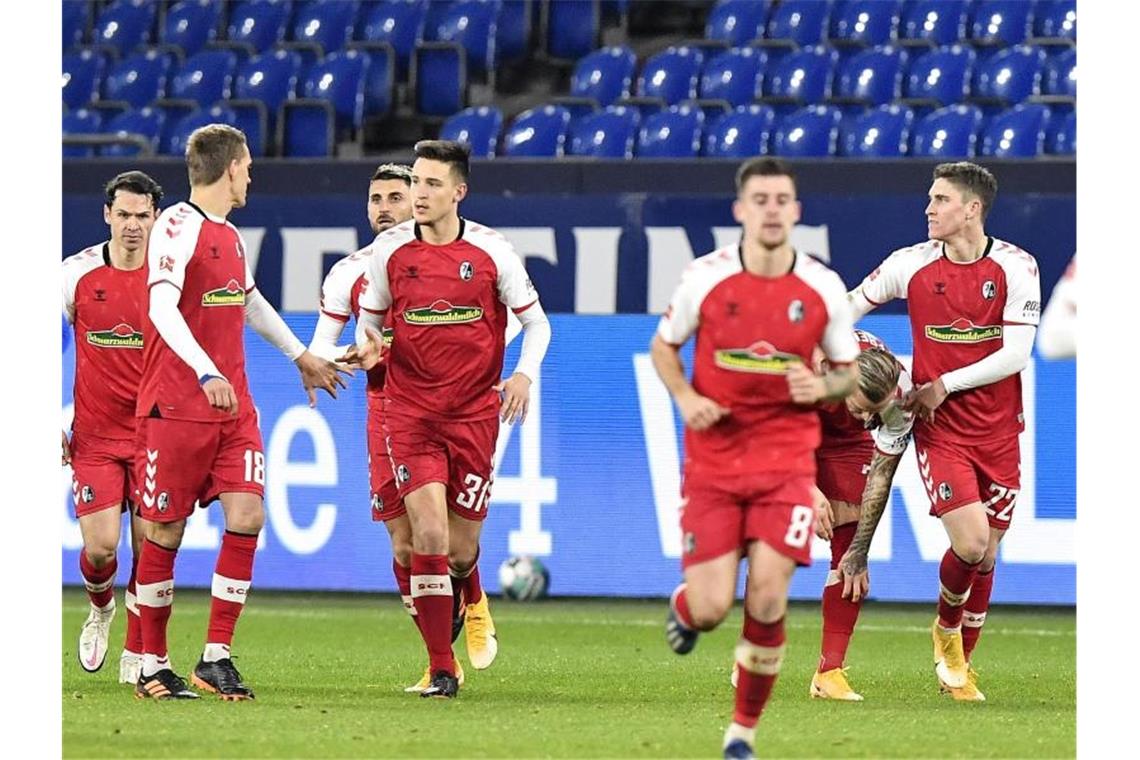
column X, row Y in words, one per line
column 1023, row 287
column 838, row 343
column 171, row 325
column 1057, row 334
column 171, row 245
column 266, row 322
column 1011, row 358
column 336, row 290
column 889, row 280
column 377, row 297
column 513, row 285
column 74, row 268
column 249, row 283
column 683, row 315
column 325, row 337
column 893, row 435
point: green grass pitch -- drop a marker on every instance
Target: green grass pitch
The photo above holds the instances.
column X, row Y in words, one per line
column 585, row 678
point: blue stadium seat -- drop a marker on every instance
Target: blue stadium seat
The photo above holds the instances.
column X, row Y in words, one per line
column 401, row 25
column 260, row 23
column 737, row 22
column 434, row 12
column 932, row 22
column 124, row 25
column 743, row 133
column 940, row 77
column 380, row 81
column 75, row 18
column 138, row 79
column 1060, row 76
column 328, row 24
column 471, row 24
column 271, row 78
column 1010, row 76
column 798, row 22
column 307, row 128
column 881, row 133
column 1061, row 134
column 802, row 77
column 605, row 75
column 479, row 127
column 538, row 132
column 190, row 24
column 512, row 32
column 81, row 121
column 180, row 135
column 1055, row 22
column 205, row 77
column 571, row 30
column 671, row 75
column 949, row 132
column 672, row 133
column 438, row 78
column 863, row 23
column 339, row 79
column 147, row 122
column 1017, row 133
column 252, row 118
column 809, row 132
column 1000, row 23
column 82, row 74
column 736, row 75
column 872, row 77
column 608, row 134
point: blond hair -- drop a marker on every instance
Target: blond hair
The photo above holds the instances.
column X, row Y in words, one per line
column 210, row 150
column 878, row 374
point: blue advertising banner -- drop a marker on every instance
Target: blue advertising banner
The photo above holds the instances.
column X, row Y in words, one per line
column 590, row 483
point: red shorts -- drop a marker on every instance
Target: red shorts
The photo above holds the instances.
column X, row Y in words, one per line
column 721, row 515
column 956, row 475
column 455, row 453
column 842, row 473
column 178, row 463
column 102, row 474
column 386, row 501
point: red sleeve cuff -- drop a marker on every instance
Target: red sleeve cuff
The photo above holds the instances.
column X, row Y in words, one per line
column 521, row 309
column 337, row 317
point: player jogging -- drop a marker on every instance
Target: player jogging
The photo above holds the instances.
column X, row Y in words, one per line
column 974, row 302
column 104, row 298
column 758, row 309
column 197, row 435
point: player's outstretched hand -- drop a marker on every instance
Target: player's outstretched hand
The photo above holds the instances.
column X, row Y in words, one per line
column 924, row 399
column 856, row 577
column 320, row 373
column 368, row 355
column 515, row 393
column 824, row 517
column 699, row 412
column 221, row 395
column 66, row 449
column 805, row 386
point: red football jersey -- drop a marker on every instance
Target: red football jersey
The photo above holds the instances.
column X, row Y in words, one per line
column 957, row 315
column 106, row 307
column 204, row 257
column 447, row 306
column 749, row 330
column 340, row 299
column 839, row 429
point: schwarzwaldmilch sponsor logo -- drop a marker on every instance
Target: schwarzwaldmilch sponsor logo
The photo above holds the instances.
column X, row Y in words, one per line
column 962, row 330
column 231, row 295
column 121, row 335
column 443, row 313
column 761, row 357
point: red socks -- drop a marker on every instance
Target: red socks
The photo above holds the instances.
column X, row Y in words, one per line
column 955, row 577
column 839, row 614
column 471, row 587
column 432, row 595
column 230, row 588
column 974, row 615
column 759, row 654
column 100, row 583
column 155, row 591
column 680, row 604
column 133, row 642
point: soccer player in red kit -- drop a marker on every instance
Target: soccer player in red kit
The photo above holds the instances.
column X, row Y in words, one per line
column 974, row 303
column 758, row 309
column 445, row 283
column 197, row 436
column 104, row 298
column 858, row 434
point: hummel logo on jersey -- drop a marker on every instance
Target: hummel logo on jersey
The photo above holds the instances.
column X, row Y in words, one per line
column 166, row 264
column 100, row 294
column 214, row 252
column 121, row 335
column 796, row 311
column 962, row 330
column 413, row 271
column 443, row 313
column 760, row 357
column 939, row 288
column 733, row 308
column 989, row 290
column 231, row 295
column 466, row 271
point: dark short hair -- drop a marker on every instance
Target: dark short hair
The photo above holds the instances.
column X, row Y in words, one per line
column 386, row 172
column 970, row 178
column 763, row 167
column 457, row 155
column 210, row 150
column 132, row 182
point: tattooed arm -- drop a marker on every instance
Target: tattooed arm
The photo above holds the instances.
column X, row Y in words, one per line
column 853, row 565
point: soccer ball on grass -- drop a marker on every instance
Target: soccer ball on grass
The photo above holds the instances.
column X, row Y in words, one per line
column 523, row 579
